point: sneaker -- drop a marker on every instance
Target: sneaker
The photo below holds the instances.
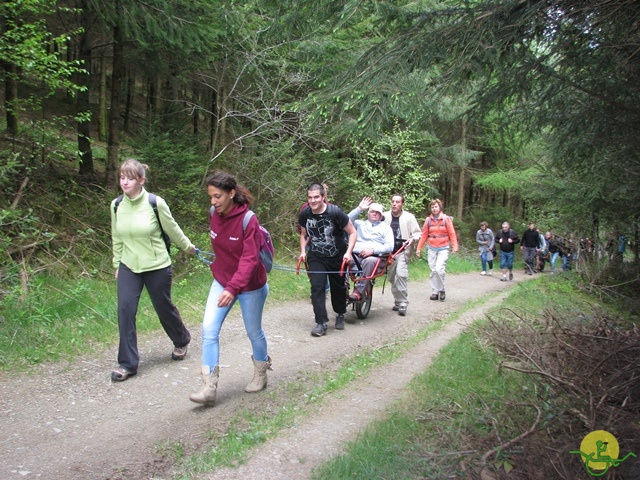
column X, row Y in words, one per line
column 510, row 276
column 489, row 273
column 179, row 353
column 319, row 330
column 402, row 311
column 340, row 321
column 483, row 272
column 434, row 296
column 442, row 296
column 504, row 278
column 396, row 308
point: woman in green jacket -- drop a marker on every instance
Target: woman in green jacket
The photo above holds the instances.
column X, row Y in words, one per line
column 141, row 259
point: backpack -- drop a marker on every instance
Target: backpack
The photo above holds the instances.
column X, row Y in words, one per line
column 444, row 221
column 154, row 204
column 266, row 244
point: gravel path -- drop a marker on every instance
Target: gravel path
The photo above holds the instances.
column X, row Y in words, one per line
column 69, row 421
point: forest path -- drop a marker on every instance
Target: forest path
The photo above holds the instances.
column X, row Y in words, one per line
column 69, row 421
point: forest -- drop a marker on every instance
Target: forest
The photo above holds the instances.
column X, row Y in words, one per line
column 516, row 110
column 507, row 110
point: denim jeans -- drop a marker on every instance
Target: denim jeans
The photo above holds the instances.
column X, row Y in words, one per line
column 554, row 259
column 251, row 305
column 483, row 259
column 506, row 260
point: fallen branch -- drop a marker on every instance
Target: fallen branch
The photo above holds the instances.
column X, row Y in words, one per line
column 506, row 445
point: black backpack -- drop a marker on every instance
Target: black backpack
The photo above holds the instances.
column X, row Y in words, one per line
column 154, row 204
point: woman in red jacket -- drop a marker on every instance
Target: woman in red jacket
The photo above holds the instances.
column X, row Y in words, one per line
column 439, row 234
column 238, row 274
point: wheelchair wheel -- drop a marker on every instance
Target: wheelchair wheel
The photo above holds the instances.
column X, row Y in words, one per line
column 364, row 305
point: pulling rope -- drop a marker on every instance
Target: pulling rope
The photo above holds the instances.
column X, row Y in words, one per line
column 343, row 268
column 201, row 256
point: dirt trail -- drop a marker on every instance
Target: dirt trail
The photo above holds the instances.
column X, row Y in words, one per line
column 69, row 421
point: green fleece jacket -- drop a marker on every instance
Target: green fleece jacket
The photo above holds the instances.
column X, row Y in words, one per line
column 136, row 237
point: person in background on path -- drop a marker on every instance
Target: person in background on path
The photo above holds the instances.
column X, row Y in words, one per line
column 238, row 274
column 486, row 241
column 554, row 251
column 507, row 238
column 374, row 238
column 406, row 231
column 543, row 254
column 530, row 246
column 322, row 228
column 440, row 235
column 141, row 259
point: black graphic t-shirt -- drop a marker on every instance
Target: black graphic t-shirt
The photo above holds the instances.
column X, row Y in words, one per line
column 325, row 230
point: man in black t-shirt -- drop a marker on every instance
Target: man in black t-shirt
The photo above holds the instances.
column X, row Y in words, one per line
column 323, row 227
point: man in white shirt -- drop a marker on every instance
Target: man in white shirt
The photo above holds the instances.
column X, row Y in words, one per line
column 406, row 231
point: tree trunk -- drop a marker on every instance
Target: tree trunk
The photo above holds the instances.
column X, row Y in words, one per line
column 113, row 142
column 195, row 112
column 83, row 107
column 11, row 97
column 131, row 85
column 103, row 120
column 461, row 178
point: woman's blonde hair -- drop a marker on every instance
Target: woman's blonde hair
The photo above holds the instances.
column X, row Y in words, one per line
column 132, row 168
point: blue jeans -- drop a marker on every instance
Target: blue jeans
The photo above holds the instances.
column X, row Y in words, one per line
column 251, row 305
column 483, row 259
column 506, row 260
column 554, row 259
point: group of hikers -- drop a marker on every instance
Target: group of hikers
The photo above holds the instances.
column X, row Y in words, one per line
column 537, row 249
column 143, row 226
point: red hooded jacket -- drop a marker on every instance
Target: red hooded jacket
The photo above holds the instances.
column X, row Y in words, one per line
column 237, row 266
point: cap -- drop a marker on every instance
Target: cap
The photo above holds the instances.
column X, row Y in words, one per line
column 376, row 207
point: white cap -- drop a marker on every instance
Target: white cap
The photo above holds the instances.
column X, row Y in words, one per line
column 376, row 207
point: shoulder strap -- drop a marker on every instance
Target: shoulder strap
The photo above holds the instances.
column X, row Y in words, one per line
column 152, row 201
column 154, row 204
column 444, row 221
column 117, row 204
column 333, row 212
column 245, row 220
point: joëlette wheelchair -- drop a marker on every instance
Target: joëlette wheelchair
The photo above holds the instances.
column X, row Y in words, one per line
column 354, row 273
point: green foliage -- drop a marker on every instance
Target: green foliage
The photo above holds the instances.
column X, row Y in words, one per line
column 27, row 42
column 395, row 164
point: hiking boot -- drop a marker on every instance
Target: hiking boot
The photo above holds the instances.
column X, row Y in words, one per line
column 120, row 374
column 179, row 353
column 396, row 308
column 434, row 296
column 340, row 321
column 510, row 276
column 442, row 296
column 402, row 311
column 319, row 330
